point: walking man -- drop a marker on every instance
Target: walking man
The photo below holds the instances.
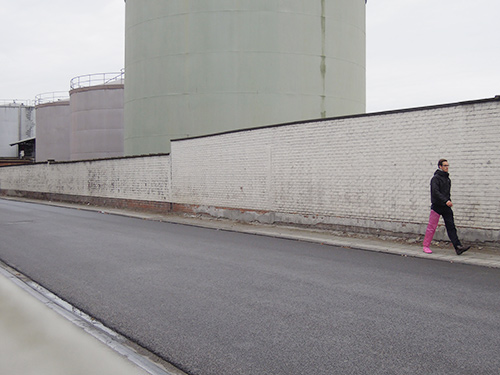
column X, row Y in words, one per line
column 441, row 206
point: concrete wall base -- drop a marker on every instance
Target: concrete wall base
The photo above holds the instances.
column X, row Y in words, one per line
column 373, row 228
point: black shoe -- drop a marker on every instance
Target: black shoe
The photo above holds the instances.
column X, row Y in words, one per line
column 461, row 249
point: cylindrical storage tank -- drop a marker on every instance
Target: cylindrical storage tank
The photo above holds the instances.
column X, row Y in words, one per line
column 53, row 122
column 97, row 121
column 9, row 129
column 201, row 67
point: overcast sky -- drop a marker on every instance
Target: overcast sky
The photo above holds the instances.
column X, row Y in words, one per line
column 419, row 52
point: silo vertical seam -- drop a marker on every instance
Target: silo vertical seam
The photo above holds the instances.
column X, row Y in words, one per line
column 323, row 58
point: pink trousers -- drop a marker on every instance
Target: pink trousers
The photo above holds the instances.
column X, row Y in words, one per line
column 431, row 228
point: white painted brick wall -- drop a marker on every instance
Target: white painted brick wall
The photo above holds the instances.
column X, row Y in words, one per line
column 141, row 178
column 369, row 171
column 231, row 170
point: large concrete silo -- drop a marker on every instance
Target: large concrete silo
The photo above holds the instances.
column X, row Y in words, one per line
column 199, row 67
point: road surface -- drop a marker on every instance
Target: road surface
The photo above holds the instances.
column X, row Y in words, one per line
column 225, row 303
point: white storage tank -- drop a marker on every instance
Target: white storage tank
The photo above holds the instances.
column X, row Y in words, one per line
column 53, row 127
column 96, row 102
column 17, row 122
column 200, row 67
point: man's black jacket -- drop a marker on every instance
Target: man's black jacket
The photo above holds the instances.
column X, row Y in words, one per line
column 440, row 188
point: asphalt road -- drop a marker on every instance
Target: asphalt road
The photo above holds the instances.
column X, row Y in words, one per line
column 223, row 303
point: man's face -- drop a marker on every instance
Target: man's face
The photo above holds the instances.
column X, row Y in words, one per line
column 445, row 166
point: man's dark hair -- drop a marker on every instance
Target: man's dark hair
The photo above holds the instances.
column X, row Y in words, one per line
column 441, row 161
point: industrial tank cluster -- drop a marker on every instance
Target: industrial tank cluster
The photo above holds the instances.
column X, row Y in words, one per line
column 202, row 67
column 87, row 124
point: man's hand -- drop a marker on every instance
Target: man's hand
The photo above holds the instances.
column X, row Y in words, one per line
column 449, row 204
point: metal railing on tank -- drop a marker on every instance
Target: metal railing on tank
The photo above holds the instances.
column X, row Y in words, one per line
column 51, row 97
column 16, row 102
column 97, row 79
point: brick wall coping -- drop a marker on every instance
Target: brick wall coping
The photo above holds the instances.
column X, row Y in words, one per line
column 94, row 160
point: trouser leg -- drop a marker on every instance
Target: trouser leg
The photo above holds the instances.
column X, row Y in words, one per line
column 449, row 222
column 431, row 228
